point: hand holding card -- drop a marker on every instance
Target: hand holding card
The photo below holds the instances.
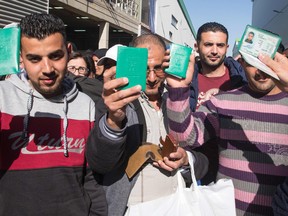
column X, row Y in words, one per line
column 179, row 60
column 255, row 41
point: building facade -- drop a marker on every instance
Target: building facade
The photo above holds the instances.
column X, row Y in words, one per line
column 94, row 24
column 173, row 23
column 13, row 11
column 272, row 16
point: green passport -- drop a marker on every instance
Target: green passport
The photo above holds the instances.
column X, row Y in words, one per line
column 132, row 63
column 179, row 60
column 9, row 50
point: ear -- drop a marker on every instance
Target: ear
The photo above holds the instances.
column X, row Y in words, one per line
column 241, row 61
column 69, row 48
column 196, row 47
column 21, row 61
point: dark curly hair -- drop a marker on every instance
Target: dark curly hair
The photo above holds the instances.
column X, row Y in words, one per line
column 211, row 26
column 41, row 25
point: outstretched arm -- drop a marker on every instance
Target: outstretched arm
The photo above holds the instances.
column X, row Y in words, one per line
column 189, row 128
column 175, row 82
column 106, row 142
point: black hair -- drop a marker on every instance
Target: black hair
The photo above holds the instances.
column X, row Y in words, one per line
column 211, row 26
column 89, row 62
column 149, row 38
column 41, row 25
column 99, row 53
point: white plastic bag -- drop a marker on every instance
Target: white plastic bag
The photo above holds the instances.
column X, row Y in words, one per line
column 212, row 200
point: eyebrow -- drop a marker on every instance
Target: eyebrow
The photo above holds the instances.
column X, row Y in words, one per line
column 211, row 43
column 33, row 56
column 55, row 53
column 156, row 66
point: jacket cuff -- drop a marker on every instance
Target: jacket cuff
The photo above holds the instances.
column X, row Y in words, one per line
column 109, row 132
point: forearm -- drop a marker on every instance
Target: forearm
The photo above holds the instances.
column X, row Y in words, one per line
column 179, row 116
column 191, row 128
column 105, row 147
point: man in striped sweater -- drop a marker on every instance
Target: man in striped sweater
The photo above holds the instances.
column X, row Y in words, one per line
column 251, row 124
column 280, row 199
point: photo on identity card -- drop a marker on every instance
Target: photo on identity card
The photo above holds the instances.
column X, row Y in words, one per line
column 255, row 41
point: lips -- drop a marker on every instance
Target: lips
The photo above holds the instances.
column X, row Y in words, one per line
column 214, row 58
column 48, row 81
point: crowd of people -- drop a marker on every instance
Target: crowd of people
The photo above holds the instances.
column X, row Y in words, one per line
column 68, row 131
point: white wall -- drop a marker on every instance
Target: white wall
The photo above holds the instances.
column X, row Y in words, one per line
column 265, row 15
column 164, row 11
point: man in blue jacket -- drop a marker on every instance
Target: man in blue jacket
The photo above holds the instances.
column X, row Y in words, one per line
column 213, row 72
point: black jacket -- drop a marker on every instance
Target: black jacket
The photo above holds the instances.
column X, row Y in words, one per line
column 280, row 200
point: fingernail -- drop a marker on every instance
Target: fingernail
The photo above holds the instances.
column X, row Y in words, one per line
column 138, row 87
column 261, row 56
column 125, row 80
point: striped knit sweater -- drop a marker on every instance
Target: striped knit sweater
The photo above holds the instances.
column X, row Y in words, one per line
column 253, row 144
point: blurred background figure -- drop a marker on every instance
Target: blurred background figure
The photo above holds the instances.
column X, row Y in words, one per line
column 99, row 68
column 88, row 57
column 80, row 65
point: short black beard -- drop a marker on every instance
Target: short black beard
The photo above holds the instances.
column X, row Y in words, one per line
column 211, row 67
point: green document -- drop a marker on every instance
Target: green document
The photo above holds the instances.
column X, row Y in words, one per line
column 132, row 63
column 255, row 41
column 9, row 50
column 179, row 60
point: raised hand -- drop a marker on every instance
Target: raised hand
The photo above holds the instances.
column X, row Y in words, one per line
column 174, row 81
column 280, row 66
column 117, row 100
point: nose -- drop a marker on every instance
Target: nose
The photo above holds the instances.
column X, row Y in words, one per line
column 214, row 49
column 260, row 74
column 47, row 66
column 151, row 77
column 77, row 72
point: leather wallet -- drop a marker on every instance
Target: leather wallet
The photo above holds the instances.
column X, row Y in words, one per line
column 149, row 151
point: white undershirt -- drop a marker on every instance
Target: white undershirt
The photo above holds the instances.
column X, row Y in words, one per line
column 151, row 183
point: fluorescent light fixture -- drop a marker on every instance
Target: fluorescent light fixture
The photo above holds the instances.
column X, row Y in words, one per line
column 85, row 17
column 120, row 30
column 78, row 17
column 58, row 8
column 79, row 30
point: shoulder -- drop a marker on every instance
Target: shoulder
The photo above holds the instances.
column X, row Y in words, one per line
column 84, row 97
column 11, row 83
